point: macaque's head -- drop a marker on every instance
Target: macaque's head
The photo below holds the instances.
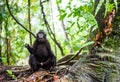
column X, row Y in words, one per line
column 41, row 36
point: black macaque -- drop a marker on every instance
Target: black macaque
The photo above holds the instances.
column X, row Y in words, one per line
column 41, row 55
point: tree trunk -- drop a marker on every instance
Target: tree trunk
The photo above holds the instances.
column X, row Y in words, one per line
column 0, row 43
column 29, row 19
column 8, row 51
column 100, row 15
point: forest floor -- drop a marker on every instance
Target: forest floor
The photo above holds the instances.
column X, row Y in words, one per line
column 23, row 74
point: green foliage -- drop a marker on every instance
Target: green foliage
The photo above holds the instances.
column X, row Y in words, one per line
column 108, row 6
column 79, row 20
column 13, row 36
column 63, row 16
column 58, row 1
column 11, row 74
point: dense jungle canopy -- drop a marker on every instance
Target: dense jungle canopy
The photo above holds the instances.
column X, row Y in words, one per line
column 84, row 36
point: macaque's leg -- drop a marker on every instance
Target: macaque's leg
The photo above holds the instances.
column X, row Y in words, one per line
column 33, row 63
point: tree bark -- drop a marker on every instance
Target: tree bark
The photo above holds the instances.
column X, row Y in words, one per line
column 0, row 43
column 100, row 15
column 8, row 51
column 29, row 24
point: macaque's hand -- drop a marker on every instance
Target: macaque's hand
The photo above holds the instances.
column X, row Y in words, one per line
column 27, row 45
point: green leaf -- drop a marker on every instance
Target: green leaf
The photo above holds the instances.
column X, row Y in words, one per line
column 72, row 24
column 34, row 8
column 62, row 16
column 58, row 1
column 78, row 25
column 110, row 7
column 9, row 72
column 69, row 15
column 62, row 10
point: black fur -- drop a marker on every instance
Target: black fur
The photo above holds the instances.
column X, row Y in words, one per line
column 41, row 55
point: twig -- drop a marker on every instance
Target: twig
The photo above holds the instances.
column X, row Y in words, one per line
column 17, row 20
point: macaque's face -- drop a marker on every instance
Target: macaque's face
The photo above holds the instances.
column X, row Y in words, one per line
column 41, row 36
